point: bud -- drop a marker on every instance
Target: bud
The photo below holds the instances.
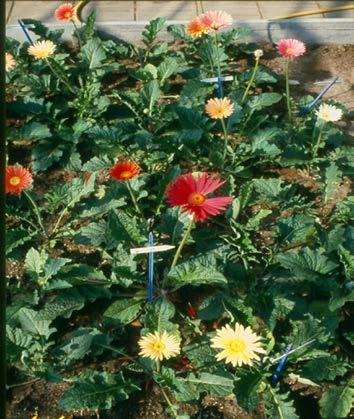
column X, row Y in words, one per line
column 146, row 111
column 258, row 53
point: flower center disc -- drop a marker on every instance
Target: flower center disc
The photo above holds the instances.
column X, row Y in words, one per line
column 289, row 51
column 67, row 15
column 159, row 346
column 15, row 180
column 196, row 198
column 125, row 174
column 237, row 345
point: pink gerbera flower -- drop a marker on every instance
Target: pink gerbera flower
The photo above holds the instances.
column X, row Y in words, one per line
column 216, row 19
column 291, row 48
column 191, row 193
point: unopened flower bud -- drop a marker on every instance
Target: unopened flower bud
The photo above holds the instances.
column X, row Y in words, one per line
column 258, row 53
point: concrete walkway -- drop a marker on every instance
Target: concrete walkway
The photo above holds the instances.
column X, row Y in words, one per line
column 141, row 10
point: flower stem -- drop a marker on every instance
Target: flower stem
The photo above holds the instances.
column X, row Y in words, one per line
column 183, row 241
column 250, row 81
column 287, row 88
column 315, row 148
column 135, row 202
column 60, row 78
column 77, row 34
column 170, row 405
column 36, row 212
column 225, row 139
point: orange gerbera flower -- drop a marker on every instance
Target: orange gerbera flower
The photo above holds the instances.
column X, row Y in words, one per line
column 219, row 108
column 9, row 62
column 125, row 170
column 17, row 179
column 196, row 29
column 65, row 12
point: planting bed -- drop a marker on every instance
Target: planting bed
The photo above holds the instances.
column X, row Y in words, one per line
column 117, row 141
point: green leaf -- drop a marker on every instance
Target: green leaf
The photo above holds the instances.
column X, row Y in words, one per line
column 158, row 316
column 125, row 227
column 325, row 368
column 246, row 390
column 151, row 93
column 96, row 390
column 16, row 237
column 307, row 264
column 35, row 262
column 31, row 323
column 152, row 29
column 193, row 123
column 264, row 100
column 93, row 53
column 168, row 67
column 214, row 384
column 197, row 271
column 45, row 154
column 32, row 131
column 82, row 342
column 278, row 406
column 337, row 401
column 63, row 305
column 332, row 181
column 122, row 312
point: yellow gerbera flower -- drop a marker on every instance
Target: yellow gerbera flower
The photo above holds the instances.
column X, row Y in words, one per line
column 158, row 346
column 329, row 113
column 239, row 345
column 9, row 62
column 219, row 108
column 41, row 49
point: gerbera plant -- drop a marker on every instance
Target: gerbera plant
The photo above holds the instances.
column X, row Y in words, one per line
column 190, row 266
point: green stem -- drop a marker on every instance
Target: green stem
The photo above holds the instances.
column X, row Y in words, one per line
column 158, row 366
column 287, row 88
column 77, row 34
column 170, row 405
column 183, row 241
column 60, row 78
column 315, row 149
column 250, row 81
column 135, row 202
column 36, row 212
column 225, row 139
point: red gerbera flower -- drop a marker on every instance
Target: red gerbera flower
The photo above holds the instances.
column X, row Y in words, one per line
column 125, row 170
column 65, row 12
column 17, row 179
column 192, row 194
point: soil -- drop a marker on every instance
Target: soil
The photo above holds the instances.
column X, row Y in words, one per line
column 41, row 398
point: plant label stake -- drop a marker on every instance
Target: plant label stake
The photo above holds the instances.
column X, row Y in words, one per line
column 276, row 376
column 218, row 79
column 151, row 249
column 304, row 110
column 25, row 31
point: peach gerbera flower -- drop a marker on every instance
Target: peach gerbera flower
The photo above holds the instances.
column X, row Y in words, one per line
column 9, row 62
column 219, row 108
column 196, row 29
column 215, row 19
column 65, row 12
column 125, row 170
column 158, row 346
column 41, row 49
column 239, row 345
column 17, row 179
column 291, row 48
